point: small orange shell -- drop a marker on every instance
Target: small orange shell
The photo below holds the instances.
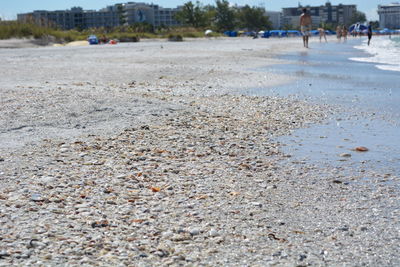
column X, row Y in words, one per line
column 155, row 189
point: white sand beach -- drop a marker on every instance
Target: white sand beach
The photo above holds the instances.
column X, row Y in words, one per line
column 149, row 154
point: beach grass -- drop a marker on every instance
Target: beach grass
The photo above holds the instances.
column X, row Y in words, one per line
column 15, row 29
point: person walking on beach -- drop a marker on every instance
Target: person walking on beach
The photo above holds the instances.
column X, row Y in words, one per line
column 322, row 34
column 369, row 33
column 344, row 33
column 339, row 33
column 305, row 26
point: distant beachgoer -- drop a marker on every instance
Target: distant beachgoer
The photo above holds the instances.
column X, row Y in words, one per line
column 344, row 33
column 357, row 29
column 339, row 33
column 103, row 39
column 322, row 34
column 369, row 33
column 305, row 25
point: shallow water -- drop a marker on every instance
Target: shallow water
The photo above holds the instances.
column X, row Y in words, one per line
column 325, row 74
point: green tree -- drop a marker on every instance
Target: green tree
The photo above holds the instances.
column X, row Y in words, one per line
column 287, row 27
column 253, row 18
column 141, row 27
column 192, row 15
column 225, row 16
column 210, row 13
column 359, row 17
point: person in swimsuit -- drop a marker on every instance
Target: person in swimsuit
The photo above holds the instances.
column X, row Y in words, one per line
column 339, row 33
column 344, row 32
column 369, row 33
column 322, row 34
column 305, row 26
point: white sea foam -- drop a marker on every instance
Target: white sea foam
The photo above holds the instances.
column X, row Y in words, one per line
column 384, row 51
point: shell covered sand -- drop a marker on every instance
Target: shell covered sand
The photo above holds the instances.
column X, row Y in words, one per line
column 126, row 170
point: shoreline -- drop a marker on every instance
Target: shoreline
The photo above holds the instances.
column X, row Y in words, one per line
column 143, row 154
column 367, row 110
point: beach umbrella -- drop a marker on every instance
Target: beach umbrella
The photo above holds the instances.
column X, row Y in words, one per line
column 207, row 32
column 261, row 32
column 357, row 27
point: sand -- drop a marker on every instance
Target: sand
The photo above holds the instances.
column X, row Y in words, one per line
column 17, row 43
column 149, row 154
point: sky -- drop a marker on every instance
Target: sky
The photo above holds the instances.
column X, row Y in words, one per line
column 10, row 8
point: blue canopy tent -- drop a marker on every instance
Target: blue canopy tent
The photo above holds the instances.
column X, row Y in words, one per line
column 314, row 32
column 266, row 34
column 231, row 33
column 278, row 33
column 386, row 31
column 293, row 33
column 93, row 40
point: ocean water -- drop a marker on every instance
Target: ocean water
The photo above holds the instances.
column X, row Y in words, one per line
column 384, row 51
column 327, row 73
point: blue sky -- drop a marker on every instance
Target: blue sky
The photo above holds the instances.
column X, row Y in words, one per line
column 9, row 8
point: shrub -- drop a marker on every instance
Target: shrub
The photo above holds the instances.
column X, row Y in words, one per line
column 18, row 29
column 132, row 39
column 175, row 38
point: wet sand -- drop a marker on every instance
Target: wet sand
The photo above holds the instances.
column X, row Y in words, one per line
column 149, row 154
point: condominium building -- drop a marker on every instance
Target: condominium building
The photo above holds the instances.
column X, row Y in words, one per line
column 75, row 18
column 153, row 14
column 389, row 16
column 276, row 18
column 328, row 13
column 111, row 16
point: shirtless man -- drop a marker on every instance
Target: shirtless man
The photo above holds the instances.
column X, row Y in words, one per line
column 305, row 26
